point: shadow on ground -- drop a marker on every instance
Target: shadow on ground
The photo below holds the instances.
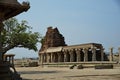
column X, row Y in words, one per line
column 33, row 79
column 37, row 72
column 116, row 75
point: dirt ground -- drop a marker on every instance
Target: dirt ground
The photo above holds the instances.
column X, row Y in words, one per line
column 38, row 73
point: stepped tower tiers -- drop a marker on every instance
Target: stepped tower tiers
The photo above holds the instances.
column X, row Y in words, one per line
column 53, row 38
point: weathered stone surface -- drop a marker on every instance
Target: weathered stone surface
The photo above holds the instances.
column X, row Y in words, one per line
column 53, row 38
column 11, row 8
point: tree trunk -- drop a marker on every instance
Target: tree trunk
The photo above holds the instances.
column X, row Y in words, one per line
column 1, row 57
column 1, row 28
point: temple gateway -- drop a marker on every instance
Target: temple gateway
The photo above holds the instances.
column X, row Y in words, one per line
column 55, row 50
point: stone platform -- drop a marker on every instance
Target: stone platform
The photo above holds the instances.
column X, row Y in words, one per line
column 84, row 64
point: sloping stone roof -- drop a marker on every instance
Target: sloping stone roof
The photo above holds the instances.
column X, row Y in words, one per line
column 54, row 49
column 62, row 48
column 87, row 45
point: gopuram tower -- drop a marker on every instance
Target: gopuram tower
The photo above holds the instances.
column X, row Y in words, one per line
column 53, row 38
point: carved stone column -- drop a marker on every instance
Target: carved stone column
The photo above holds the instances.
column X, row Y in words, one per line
column 48, row 57
column 65, row 56
column 9, row 59
column 54, row 57
column 59, row 57
column 93, row 53
column 12, row 59
column 71, row 56
column 102, row 54
column 78, row 52
column 111, row 54
column 85, row 54
column 51, row 57
column 41, row 58
column 45, row 57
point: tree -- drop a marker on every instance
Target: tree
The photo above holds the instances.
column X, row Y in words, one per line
column 15, row 34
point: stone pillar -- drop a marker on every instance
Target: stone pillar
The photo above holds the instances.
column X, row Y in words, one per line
column 56, row 57
column 65, row 56
column 45, row 57
column 39, row 58
column 42, row 59
column 51, row 57
column 111, row 54
column 85, row 54
column 119, row 54
column 12, row 59
column 78, row 52
column 71, row 55
column 93, row 53
column 9, row 59
column 102, row 54
column 59, row 57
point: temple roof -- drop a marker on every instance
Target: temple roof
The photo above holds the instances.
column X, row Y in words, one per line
column 87, row 45
column 63, row 48
column 11, row 8
column 9, row 54
column 54, row 49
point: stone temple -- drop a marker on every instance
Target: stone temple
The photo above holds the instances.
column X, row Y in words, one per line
column 55, row 50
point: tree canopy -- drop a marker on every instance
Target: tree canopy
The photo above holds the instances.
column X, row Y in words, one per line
column 17, row 34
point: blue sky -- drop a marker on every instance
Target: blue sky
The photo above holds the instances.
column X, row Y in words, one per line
column 80, row 21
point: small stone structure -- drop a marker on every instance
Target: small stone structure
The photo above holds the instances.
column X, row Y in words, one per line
column 9, row 58
column 111, row 54
column 8, row 71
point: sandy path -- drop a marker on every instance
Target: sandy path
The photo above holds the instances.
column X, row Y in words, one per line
column 38, row 73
